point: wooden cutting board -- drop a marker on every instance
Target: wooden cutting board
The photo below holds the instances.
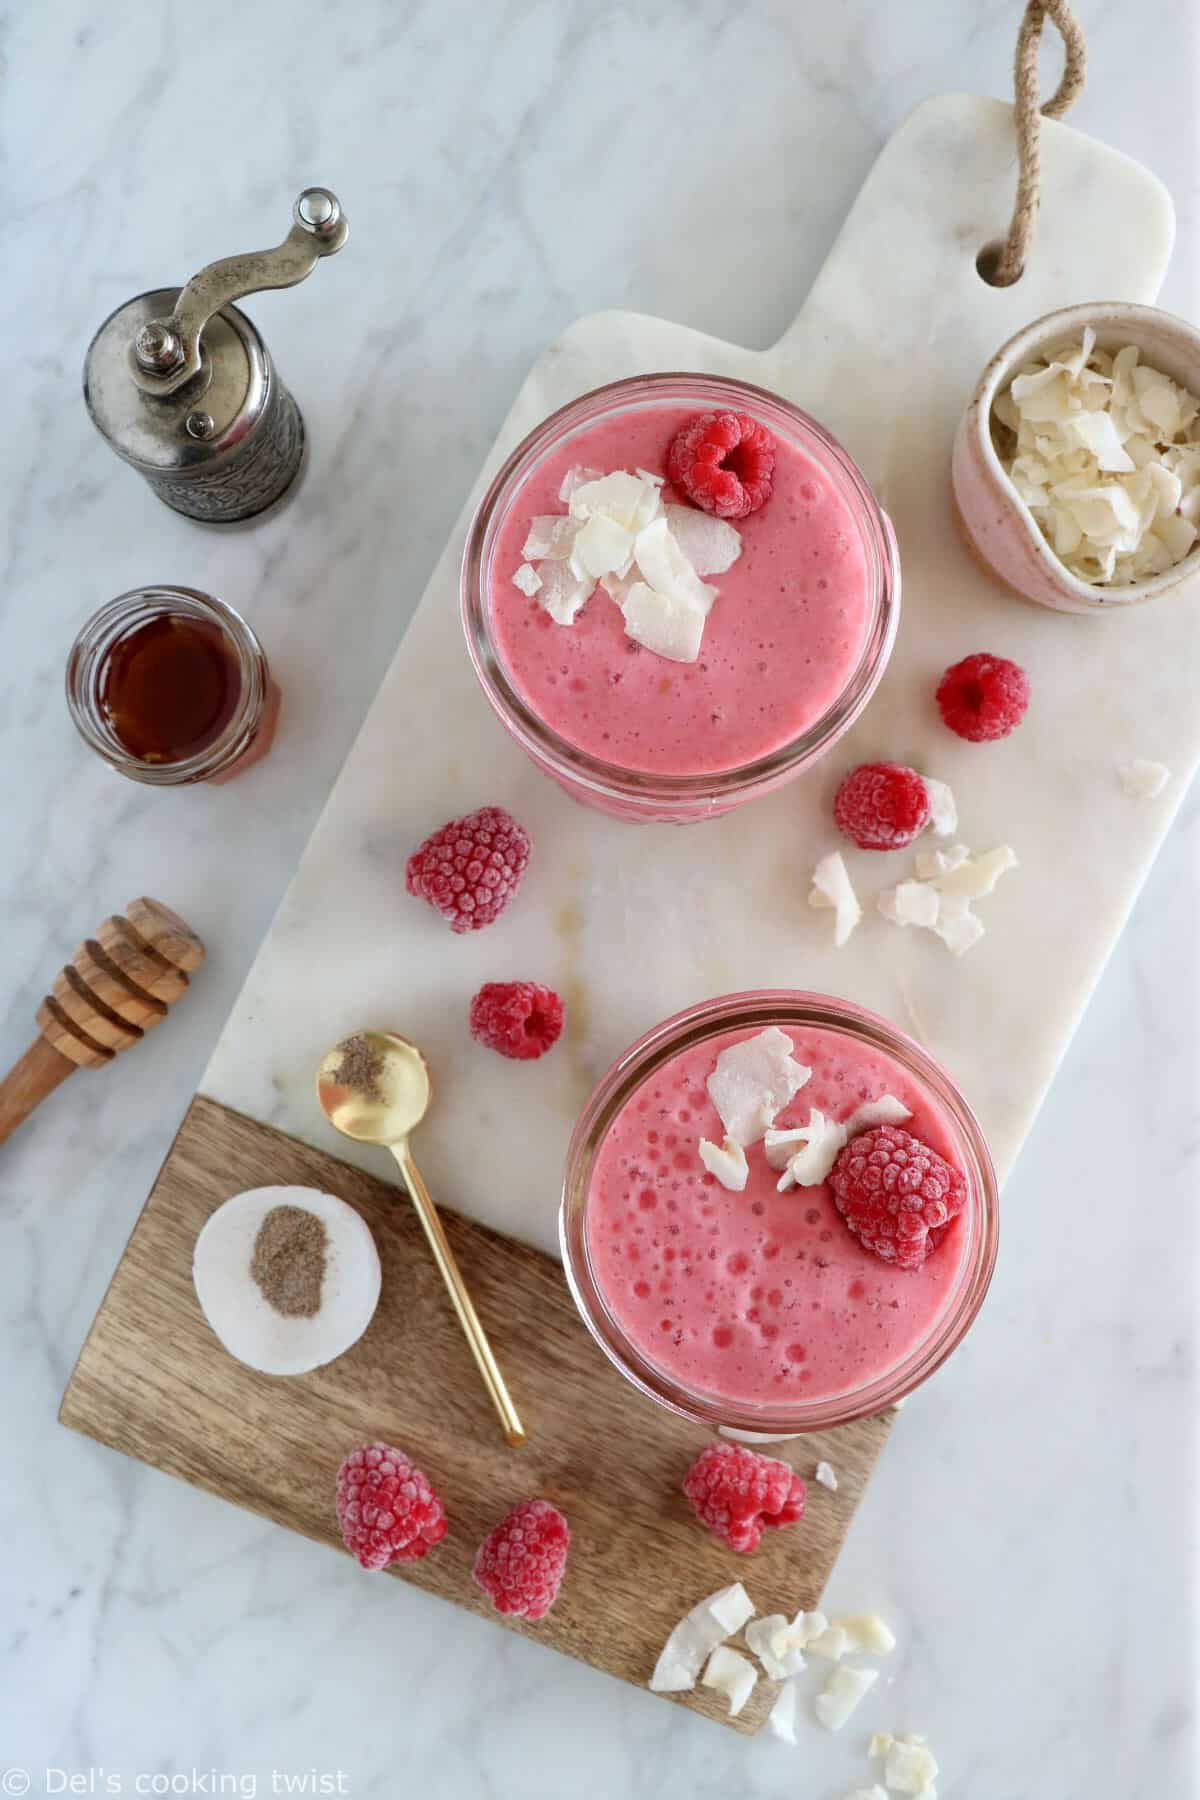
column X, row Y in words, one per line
column 153, row 1381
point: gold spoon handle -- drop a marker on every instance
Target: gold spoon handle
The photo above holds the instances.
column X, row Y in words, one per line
column 468, row 1318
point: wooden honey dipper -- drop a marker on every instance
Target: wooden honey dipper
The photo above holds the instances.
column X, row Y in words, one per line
column 118, row 986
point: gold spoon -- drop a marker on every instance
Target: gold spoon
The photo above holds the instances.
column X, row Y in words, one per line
column 374, row 1087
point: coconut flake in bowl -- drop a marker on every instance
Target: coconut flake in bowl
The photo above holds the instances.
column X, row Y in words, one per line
column 1076, row 463
column 1105, row 452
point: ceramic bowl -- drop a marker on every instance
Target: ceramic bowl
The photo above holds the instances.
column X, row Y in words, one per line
column 997, row 521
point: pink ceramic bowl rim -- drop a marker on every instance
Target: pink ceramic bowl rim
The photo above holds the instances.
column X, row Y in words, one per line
column 639, row 792
column 758, row 1009
column 1157, row 333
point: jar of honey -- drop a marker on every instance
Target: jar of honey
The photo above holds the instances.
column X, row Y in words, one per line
column 171, row 686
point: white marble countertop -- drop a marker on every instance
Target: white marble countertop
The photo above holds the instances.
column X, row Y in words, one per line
column 1029, row 1529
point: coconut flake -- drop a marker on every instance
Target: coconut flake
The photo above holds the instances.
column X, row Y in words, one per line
column 940, row 901
column 806, row 1153
column 806, row 1627
column 730, row 1674
column 867, row 1632
column 562, row 593
column 1144, row 780
column 601, row 547
column 821, row 1142
column 977, row 875
column 825, row 1475
column 1097, row 433
column 527, row 579
column 910, row 1767
column 575, row 477
column 887, row 1110
column 841, row 1695
column 930, row 863
column 697, row 1635
column 730, row 1607
column 618, row 496
column 664, row 566
column 833, row 1643
column 753, row 1081
column 550, row 537
column 711, row 545
column 831, row 886
column 943, row 808
column 770, row 1641
column 727, row 1162
column 874, row 1792
column 617, row 587
column 671, row 628
column 781, row 1720
column 910, row 903
column 957, row 926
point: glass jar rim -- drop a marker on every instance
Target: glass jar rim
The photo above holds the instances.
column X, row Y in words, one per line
column 612, row 783
column 105, row 628
column 762, row 1008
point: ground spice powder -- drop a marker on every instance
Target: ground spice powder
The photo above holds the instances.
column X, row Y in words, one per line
column 360, row 1068
column 288, row 1261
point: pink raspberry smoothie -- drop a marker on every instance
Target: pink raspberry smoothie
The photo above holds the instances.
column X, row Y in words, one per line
column 758, row 1297
column 781, row 644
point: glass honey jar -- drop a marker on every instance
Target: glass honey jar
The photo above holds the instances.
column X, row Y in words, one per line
column 171, row 686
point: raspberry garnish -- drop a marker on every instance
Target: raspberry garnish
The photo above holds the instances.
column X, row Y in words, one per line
column 724, row 462
column 881, row 806
column 983, row 697
column 896, row 1194
column 517, row 1018
column 471, row 868
column 520, row 1563
column 736, row 1492
column 386, row 1508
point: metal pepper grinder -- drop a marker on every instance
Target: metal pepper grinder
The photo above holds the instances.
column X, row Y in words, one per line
column 180, row 384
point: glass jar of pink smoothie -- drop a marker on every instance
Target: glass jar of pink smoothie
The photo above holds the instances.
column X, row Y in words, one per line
column 760, row 1311
column 793, row 648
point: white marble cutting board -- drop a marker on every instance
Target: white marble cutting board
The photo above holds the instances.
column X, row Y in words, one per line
column 630, row 922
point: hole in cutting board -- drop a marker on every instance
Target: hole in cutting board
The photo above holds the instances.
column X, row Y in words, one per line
column 988, row 261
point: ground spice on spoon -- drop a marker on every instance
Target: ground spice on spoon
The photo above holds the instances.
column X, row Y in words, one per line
column 360, row 1068
column 288, row 1261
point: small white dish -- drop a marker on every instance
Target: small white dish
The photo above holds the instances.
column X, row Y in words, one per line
column 997, row 521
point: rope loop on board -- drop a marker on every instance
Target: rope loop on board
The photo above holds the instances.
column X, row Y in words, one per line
column 1009, row 259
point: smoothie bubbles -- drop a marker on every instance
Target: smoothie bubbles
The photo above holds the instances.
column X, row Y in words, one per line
column 678, row 592
column 778, row 1214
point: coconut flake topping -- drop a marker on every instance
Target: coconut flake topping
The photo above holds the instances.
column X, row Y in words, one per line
column 754, row 1080
column 647, row 558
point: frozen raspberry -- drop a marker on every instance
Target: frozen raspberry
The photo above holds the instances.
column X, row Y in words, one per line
column 517, row 1018
column 471, row 868
column 881, row 806
column 896, row 1194
column 386, row 1508
column 520, row 1563
column 983, row 697
column 724, row 462
column 736, row 1492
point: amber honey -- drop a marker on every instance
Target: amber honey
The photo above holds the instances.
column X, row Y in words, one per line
column 171, row 686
